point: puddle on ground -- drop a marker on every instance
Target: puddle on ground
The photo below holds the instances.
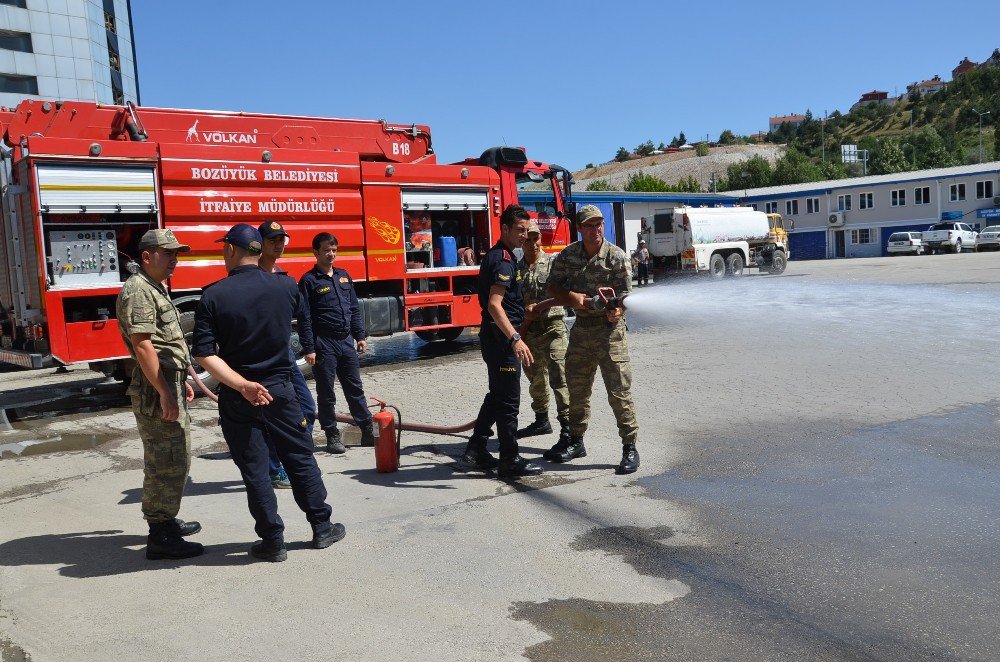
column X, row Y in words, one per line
column 384, row 353
column 56, row 444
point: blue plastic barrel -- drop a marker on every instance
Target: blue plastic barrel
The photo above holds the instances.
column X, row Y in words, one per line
column 445, row 252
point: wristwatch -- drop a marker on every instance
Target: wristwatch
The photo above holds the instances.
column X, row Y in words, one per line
column 514, row 338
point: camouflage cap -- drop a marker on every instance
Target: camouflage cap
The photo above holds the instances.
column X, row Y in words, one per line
column 162, row 238
column 587, row 212
column 533, row 228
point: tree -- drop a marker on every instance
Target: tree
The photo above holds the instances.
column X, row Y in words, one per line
column 662, row 147
column 727, row 138
column 688, row 184
column 794, row 168
column 755, row 172
column 701, row 149
column 931, row 150
column 600, row 185
column 674, row 143
column 888, row 158
column 622, row 154
column 681, row 140
column 833, row 169
column 645, row 149
column 640, row 181
column 589, row 166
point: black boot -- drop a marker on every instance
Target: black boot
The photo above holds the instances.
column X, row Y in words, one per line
column 163, row 543
column 630, row 460
column 369, row 433
column 476, row 454
column 539, row 426
column 333, row 443
column 572, row 450
column 560, row 446
column 269, row 551
column 517, row 467
column 181, row 528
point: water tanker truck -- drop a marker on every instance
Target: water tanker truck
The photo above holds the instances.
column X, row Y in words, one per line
column 718, row 241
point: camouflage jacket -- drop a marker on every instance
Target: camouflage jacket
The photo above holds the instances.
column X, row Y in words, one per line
column 145, row 307
column 535, row 284
column 574, row 271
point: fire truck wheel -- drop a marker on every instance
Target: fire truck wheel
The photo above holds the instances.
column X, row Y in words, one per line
column 445, row 335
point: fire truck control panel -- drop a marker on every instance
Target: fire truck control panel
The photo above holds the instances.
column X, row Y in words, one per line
column 83, row 257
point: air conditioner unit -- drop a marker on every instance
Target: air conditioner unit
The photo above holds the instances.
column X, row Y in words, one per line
column 836, row 219
column 996, row 201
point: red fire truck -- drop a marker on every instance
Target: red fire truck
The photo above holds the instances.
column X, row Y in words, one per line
column 83, row 181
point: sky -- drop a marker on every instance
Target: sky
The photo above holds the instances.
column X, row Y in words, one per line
column 570, row 81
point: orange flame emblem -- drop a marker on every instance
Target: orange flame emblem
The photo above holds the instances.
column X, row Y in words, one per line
column 387, row 232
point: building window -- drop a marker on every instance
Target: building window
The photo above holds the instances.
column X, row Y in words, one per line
column 14, row 3
column 898, row 197
column 771, row 208
column 791, row 207
column 18, row 84
column 812, row 205
column 844, row 202
column 863, row 236
column 114, row 61
column 865, row 201
column 984, row 189
column 922, row 195
column 957, row 192
column 109, row 23
column 15, row 41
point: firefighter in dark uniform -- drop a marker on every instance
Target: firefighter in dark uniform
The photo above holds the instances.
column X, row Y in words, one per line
column 241, row 336
column 503, row 350
column 333, row 335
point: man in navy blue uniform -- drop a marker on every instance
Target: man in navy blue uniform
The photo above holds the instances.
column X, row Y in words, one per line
column 333, row 334
column 241, row 336
column 502, row 349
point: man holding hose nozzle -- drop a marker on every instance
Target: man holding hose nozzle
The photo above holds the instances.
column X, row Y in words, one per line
column 503, row 350
column 580, row 276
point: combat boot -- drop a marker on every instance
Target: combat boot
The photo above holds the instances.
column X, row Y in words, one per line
column 517, row 467
column 369, row 433
column 162, row 543
column 539, row 426
column 630, row 460
column 573, row 449
column 334, row 444
column 181, row 528
column 269, row 551
column 476, row 454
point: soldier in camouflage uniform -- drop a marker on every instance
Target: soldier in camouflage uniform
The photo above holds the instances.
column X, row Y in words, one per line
column 544, row 332
column 598, row 337
column 151, row 328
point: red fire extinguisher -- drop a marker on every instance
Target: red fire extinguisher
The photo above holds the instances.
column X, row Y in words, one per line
column 387, row 442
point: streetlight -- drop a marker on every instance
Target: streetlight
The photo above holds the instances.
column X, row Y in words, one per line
column 980, row 131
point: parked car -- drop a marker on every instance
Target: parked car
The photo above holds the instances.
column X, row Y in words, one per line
column 905, row 242
column 989, row 239
column 949, row 236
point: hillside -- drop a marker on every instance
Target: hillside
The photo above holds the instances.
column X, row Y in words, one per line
column 671, row 168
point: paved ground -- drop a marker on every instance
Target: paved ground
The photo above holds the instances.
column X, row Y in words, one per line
column 819, row 480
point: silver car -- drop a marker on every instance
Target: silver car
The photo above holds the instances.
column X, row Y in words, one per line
column 905, row 242
column 989, row 239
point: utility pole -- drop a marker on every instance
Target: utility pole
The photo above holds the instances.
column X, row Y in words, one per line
column 980, row 131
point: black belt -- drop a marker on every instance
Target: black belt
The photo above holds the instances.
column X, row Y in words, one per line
column 336, row 335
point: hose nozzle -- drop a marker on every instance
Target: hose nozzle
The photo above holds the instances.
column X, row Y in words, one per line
column 606, row 300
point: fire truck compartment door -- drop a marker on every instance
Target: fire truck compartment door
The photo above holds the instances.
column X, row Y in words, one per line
column 445, row 200
column 66, row 189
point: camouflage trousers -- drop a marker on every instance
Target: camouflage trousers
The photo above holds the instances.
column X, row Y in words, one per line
column 166, row 446
column 595, row 343
column 547, row 339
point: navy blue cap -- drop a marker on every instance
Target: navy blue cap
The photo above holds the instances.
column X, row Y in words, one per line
column 271, row 229
column 244, row 236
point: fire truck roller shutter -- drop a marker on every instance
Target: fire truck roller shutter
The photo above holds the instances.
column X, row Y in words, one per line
column 96, row 189
column 445, row 200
